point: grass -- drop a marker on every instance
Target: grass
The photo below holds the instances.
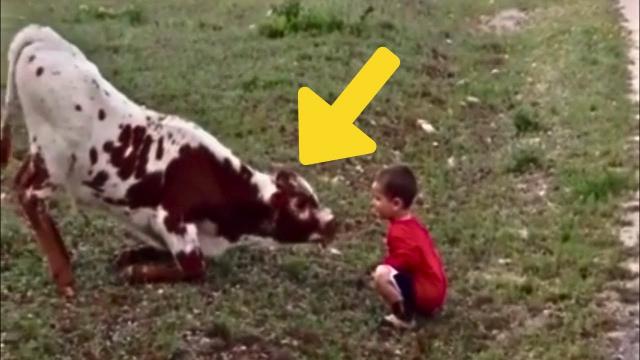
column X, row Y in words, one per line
column 525, row 158
column 524, row 121
column 291, row 18
column 524, row 265
column 89, row 13
column 599, row 186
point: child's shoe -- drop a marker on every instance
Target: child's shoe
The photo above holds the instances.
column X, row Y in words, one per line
column 399, row 323
column 402, row 316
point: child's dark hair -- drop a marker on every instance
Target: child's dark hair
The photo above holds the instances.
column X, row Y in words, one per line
column 398, row 181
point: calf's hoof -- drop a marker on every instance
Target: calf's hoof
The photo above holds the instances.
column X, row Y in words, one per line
column 126, row 273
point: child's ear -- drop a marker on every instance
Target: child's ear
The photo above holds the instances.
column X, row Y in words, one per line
column 397, row 202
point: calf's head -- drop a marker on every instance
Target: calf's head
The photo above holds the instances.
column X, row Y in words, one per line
column 299, row 216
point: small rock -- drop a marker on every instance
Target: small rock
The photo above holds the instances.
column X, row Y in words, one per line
column 335, row 251
column 472, row 100
column 533, row 141
column 633, row 267
column 451, row 162
column 524, row 233
column 337, row 179
column 426, row 126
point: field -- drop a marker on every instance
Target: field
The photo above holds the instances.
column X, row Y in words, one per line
column 520, row 183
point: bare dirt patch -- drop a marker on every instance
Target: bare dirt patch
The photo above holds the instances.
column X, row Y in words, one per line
column 504, row 22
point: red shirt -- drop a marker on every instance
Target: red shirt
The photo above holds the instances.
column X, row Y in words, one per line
column 411, row 250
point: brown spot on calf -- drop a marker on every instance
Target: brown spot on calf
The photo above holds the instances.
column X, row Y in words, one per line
column 93, row 155
column 98, row 181
column 160, row 149
column 132, row 152
column 196, row 187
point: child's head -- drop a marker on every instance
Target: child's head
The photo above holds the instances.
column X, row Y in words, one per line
column 394, row 189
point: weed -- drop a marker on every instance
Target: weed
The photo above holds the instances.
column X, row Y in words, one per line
column 131, row 13
column 524, row 158
column 596, row 186
column 525, row 121
column 291, row 18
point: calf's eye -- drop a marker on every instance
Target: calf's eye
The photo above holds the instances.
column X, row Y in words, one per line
column 300, row 204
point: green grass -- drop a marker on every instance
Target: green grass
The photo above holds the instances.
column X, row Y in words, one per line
column 524, row 121
column 291, row 18
column 524, row 268
column 525, row 158
column 88, row 13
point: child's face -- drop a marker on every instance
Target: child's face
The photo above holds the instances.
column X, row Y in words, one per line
column 382, row 206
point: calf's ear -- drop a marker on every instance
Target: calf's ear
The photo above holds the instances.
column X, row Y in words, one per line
column 284, row 179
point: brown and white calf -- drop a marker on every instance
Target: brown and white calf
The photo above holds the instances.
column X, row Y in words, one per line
column 176, row 186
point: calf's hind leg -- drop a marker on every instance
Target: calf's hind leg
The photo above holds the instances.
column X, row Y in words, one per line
column 32, row 189
column 187, row 259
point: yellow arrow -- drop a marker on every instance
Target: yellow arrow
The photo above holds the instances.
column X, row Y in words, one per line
column 326, row 132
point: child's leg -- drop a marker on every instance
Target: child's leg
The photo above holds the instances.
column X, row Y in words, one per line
column 396, row 289
column 385, row 284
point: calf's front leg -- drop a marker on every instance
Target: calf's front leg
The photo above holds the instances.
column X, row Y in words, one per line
column 187, row 261
column 186, row 267
column 32, row 189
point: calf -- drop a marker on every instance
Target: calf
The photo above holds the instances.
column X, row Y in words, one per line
column 173, row 184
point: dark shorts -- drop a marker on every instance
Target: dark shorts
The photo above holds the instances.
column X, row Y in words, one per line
column 405, row 283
